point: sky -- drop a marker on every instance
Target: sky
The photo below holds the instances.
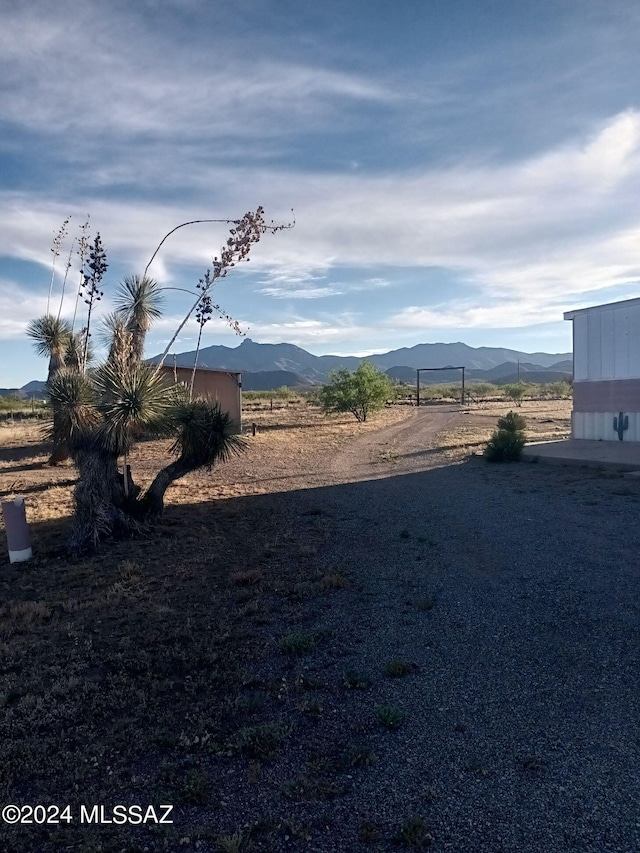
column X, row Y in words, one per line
column 457, row 171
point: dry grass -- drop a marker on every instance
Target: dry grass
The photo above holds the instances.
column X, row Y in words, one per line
column 547, row 420
column 289, row 445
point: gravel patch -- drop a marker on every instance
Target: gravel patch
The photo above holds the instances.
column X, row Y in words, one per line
column 522, row 718
column 444, row 656
column 513, row 593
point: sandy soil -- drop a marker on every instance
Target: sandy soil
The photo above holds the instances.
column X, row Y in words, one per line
column 295, row 445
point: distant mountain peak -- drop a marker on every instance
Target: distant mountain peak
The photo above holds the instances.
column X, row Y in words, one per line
column 252, row 357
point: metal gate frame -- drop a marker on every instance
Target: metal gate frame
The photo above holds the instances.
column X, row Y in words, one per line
column 419, row 370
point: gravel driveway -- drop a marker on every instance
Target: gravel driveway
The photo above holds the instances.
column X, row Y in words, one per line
column 513, row 593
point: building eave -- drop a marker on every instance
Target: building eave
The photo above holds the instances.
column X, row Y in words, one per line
column 608, row 306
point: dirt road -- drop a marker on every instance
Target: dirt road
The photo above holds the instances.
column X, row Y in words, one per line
column 397, row 449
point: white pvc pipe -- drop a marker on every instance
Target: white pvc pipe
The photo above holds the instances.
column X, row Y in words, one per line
column 15, row 522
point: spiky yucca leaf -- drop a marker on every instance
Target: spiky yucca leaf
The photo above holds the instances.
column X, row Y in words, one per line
column 132, row 398
column 74, row 352
column 50, row 336
column 138, row 300
column 512, row 422
column 204, row 434
column 74, row 414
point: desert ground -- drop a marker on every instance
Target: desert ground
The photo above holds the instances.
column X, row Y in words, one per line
column 352, row 637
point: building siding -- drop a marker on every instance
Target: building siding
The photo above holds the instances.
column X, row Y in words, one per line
column 607, row 395
column 606, row 368
column 606, row 342
column 598, row 426
column 215, row 385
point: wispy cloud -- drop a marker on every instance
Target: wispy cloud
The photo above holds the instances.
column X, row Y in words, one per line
column 506, row 159
column 512, row 222
column 560, row 224
column 100, row 74
column 300, row 293
column 17, row 306
column 465, row 314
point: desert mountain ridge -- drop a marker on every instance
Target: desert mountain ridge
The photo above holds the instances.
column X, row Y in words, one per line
column 265, row 367
column 269, row 366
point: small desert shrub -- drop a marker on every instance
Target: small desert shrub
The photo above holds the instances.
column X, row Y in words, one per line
column 195, row 788
column 297, row 644
column 360, row 755
column 355, row 680
column 516, row 392
column 235, row 843
column 413, row 833
column 260, row 741
column 398, row 668
column 512, row 422
column 389, row 716
column 506, row 443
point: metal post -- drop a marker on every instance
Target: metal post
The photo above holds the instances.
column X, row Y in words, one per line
column 463, row 386
column 418, row 387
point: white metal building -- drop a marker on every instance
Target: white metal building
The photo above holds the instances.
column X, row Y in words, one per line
column 606, row 371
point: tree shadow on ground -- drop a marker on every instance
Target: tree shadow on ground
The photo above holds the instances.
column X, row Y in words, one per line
column 27, row 451
column 184, row 627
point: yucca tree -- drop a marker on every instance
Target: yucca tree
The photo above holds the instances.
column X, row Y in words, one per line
column 132, row 399
column 73, row 400
column 203, row 436
column 139, row 302
column 116, row 336
column 99, row 413
column 74, row 353
column 50, row 336
column 103, row 414
column 96, row 498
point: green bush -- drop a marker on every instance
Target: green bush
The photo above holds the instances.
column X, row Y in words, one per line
column 512, row 423
column 515, row 392
column 282, row 393
column 562, row 389
column 507, row 442
column 481, row 390
column 360, row 392
column 441, row 392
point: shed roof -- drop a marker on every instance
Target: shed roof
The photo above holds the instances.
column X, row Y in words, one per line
column 171, row 368
column 608, row 306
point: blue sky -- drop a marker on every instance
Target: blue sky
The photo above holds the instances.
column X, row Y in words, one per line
column 458, row 170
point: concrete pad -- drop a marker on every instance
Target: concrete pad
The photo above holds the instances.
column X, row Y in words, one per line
column 613, row 455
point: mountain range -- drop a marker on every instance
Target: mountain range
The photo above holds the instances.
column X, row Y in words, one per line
column 265, row 367
column 269, row 366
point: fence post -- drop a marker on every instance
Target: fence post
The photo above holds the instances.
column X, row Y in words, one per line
column 15, row 522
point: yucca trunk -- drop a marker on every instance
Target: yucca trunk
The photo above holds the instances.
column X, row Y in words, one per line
column 97, row 499
column 138, row 335
column 152, row 503
column 60, row 451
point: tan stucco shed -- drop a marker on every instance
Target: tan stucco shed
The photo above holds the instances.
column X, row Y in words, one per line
column 219, row 386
